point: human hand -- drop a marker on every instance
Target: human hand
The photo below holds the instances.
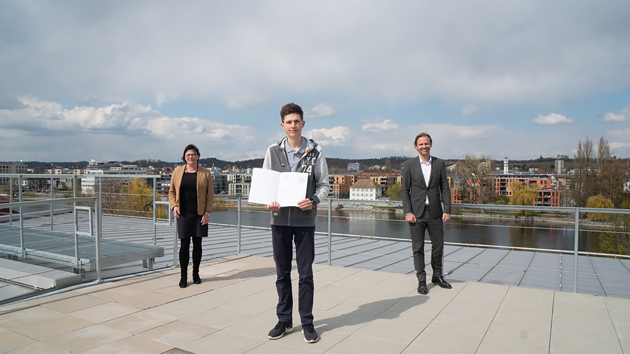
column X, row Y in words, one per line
column 446, row 217
column 273, row 206
column 410, row 218
column 204, row 219
column 176, row 212
column 305, row 204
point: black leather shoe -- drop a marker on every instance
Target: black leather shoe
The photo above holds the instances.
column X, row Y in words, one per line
column 439, row 281
column 196, row 278
column 183, row 282
column 422, row 288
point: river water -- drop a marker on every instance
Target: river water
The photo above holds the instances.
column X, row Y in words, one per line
column 472, row 231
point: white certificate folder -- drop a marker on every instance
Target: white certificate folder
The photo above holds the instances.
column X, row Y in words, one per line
column 286, row 188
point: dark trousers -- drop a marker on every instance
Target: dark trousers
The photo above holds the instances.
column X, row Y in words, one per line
column 435, row 226
column 184, row 254
column 282, row 239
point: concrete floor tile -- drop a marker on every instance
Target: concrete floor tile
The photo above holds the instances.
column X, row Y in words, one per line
column 131, row 345
column 11, row 340
column 581, row 342
column 584, row 325
column 146, row 300
column 580, row 305
column 619, row 309
column 330, row 275
column 218, row 317
column 74, row 303
column 367, row 304
column 503, row 346
column 87, row 338
column 412, row 311
column 256, row 326
column 529, row 335
column 39, row 348
column 529, row 293
column 469, row 311
column 104, row 312
column 390, row 331
column 482, row 293
column 625, row 345
column 42, row 323
column 181, row 308
column 360, row 345
column 177, row 292
column 178, row 333
column 117, row 292
column 363, row 279
column 224, row 342
column 332, row 295
column 448, row 341
column 524, row 315
column 139, row 321
column 256, row 303
column 279, row 346
column 477, row 327
column 622, row 329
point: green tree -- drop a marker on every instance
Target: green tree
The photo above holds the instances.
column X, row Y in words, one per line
column 584, row 182
column 601, row 202
column 394, row 192
column 523, row 196
column 616, row 239
column 139, row 199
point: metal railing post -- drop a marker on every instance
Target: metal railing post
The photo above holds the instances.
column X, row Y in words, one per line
column 329, row 231
column 154, row 212
column 99, row 229
column 575, row 249
column 238, row 247
column 51, row 206
column 11, row 201
column 22, row 250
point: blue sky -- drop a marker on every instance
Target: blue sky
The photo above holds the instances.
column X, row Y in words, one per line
column 121, row 80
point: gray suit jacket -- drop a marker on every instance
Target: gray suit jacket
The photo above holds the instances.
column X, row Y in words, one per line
column 415, row 190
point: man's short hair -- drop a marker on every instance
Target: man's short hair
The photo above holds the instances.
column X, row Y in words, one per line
column 415, row 142
column 291, row 108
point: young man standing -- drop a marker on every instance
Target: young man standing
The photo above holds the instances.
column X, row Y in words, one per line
column 295, row 153
column 424, row 187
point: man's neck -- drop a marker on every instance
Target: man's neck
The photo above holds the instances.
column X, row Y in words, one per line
column 294, row 142
column 425, row 158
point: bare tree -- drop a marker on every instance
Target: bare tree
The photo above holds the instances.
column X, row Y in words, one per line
column 475, row 179
column 584, row 182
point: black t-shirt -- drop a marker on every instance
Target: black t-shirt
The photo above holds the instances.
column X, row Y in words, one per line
column 188, row 192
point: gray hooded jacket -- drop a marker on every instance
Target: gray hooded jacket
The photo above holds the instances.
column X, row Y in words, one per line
column 314, row 163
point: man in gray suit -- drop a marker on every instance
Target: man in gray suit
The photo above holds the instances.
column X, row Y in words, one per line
column 424, row 186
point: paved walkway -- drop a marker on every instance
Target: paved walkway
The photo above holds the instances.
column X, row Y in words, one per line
column 356, row 311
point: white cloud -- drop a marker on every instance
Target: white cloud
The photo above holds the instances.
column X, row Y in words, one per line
column 471, row 110
column 337, row 136
column 244, row 101
column 379, row 125
column 617, row 116
column 126, row 128
column 617, row 145
column 162, row 98
column 552, row 118
column 321, row 110
column 620, row 132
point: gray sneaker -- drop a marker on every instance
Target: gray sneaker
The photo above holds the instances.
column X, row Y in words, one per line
column 280, row 329
column 310, row 335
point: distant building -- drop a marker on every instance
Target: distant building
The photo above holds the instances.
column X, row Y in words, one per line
column 355, row 166
column 365, row 189
column 11, row 167
column 340, row 185
column 559, row 166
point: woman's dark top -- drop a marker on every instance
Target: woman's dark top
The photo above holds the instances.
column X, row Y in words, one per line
column 188, row 192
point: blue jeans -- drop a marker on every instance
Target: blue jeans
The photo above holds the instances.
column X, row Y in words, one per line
column 282, row 240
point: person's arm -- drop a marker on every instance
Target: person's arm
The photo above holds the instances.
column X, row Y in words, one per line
column 404, row 191
column 446, row 194
column 321, row 178
column 172, row 195
column 274, row 206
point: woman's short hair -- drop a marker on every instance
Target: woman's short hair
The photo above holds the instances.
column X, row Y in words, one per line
column 189, row 147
